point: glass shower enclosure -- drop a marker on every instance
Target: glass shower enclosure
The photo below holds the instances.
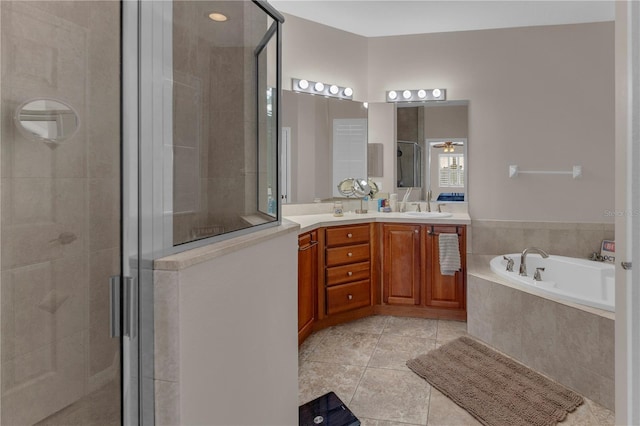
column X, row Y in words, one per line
column 129, row 130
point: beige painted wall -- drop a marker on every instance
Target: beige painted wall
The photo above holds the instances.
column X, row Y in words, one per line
column 237, row 333
column 540, row 97
column 320, row 53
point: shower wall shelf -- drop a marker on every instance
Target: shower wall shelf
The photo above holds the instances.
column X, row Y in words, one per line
column 514, row 171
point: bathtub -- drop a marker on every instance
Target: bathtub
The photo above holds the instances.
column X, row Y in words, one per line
column 575, row 280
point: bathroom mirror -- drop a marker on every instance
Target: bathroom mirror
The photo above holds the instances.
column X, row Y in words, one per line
column 46, row 120
column 424, row 132
column 324, row 141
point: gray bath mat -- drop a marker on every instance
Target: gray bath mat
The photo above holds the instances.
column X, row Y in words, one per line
column 494, row 389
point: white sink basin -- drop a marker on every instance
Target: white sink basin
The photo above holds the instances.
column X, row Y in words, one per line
column 427, row 215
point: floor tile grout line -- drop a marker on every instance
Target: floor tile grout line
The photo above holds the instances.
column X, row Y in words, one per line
column 364, row 370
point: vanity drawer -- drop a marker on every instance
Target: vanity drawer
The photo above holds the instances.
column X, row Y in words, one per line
column 349, row 254
column 342, row 235
column 347, row 273
column 350, row 296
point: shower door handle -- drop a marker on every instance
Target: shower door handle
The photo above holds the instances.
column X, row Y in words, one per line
column 123, row 299
column 114, row 306
column 129, row 307
column 625, row 265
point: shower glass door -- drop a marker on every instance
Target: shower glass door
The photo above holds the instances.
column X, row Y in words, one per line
column 61, row 211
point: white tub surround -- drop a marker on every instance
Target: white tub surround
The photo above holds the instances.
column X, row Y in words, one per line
column 567, row 341
column 225, row 332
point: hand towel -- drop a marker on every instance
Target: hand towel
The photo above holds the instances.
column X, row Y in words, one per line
column 449, row 254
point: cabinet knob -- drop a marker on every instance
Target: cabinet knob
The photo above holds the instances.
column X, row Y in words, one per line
column 416, row 231
column 349, row 254
column 349, row 296
column 349, row 235
column 349, row 273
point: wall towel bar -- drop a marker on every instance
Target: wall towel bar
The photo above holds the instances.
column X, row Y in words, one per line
column 515, row 171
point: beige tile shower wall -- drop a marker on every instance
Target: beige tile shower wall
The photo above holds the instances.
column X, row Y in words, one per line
column 54, row 303
column 564, row 239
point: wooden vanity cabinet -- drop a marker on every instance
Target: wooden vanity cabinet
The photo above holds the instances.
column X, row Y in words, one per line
column 347, row 265
column 307, row 283
column 412, row 283
column 445, row 291
column 401, row 270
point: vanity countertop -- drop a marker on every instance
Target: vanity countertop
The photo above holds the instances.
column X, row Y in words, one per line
column 312, row 221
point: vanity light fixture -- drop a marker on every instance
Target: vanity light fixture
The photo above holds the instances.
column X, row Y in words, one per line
column 319, row 88
column 419, row 95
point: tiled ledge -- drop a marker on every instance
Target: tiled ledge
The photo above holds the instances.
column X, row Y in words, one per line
column 573, row 239
column 186, row 259
column 478, row 266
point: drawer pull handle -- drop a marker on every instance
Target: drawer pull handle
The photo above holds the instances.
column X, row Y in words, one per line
column 350, row 296
column 349, row 254
column 349, row 235
column 349, row 273
column 416, row 231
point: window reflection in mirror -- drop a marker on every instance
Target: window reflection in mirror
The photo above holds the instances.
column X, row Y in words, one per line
column 324, row 142
column 224, row 119
column 430, row 126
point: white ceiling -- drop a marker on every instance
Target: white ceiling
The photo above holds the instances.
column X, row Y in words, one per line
column 373, row 18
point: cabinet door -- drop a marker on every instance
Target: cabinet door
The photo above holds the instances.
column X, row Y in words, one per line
column 401, row 269
column 445, row 291
column 307, row 282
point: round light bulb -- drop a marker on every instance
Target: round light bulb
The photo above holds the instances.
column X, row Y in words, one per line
column 303, row 84
column 334, row 89
column 406, row 94
column 436, row 93
column 393, row 95
column 217, row 16
column 348, row 91
column 319, row 87
column 422, row 93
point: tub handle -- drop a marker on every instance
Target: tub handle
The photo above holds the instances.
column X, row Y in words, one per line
column 510, row 263
column 626, row 265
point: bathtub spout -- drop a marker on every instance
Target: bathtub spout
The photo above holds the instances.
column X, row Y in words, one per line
column 523, row 258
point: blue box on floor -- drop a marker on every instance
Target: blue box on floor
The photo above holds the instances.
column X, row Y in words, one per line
column 327, row 410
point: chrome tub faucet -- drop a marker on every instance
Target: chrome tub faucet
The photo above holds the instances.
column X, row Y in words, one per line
column 523, row 258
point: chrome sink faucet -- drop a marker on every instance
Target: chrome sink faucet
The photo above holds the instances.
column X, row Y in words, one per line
column 429, row 194
column 523, row 258
column 417, row 207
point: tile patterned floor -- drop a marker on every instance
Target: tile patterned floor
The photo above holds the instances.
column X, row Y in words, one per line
column 363, row 362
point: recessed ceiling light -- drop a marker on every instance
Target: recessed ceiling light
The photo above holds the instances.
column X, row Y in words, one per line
column 218, row 17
